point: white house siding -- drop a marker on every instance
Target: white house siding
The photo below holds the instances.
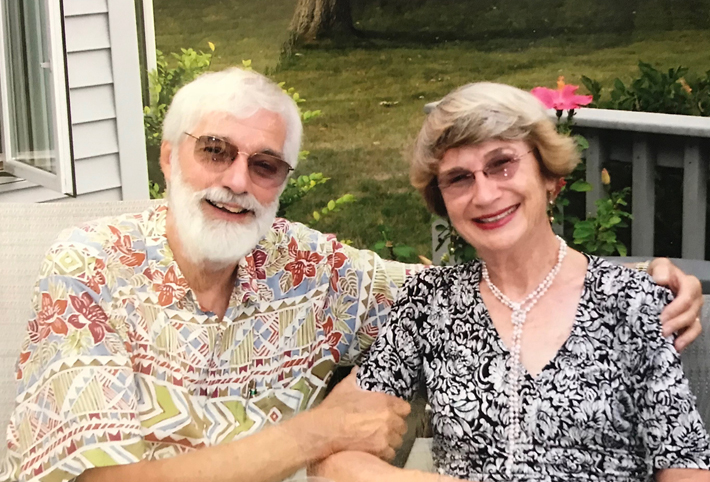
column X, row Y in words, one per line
column 105, row 105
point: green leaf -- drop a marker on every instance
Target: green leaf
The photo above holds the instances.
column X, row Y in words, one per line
column 403, row 251
column 316, row 215
column 607, row 237
column 580, row 186
column 331, row 204
column 582, row 229
column 582, row 142
column 621, row 249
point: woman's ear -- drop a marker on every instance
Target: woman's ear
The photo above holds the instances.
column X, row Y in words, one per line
column 553, row 186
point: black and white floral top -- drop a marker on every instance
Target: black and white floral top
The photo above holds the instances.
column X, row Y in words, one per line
column 612, row 405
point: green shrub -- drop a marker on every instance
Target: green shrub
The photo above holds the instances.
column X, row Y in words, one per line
column 677, row 91
column 597, row 234
column 165, row 81
column 389, row 249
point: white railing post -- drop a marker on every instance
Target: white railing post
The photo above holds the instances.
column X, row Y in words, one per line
column 595, row 157
column 695, row 180
column 643, row 195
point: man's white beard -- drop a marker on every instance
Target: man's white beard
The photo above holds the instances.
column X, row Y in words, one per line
column 215, row 241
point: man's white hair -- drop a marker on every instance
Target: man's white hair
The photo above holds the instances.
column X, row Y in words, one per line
column 237, row 92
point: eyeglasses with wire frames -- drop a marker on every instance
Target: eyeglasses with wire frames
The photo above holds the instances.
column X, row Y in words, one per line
column 265, row 169
column 502, row 167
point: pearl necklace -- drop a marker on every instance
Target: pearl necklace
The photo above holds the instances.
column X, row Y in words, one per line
column 520, row 311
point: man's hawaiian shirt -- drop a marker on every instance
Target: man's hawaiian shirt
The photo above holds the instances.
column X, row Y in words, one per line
column 121, row 364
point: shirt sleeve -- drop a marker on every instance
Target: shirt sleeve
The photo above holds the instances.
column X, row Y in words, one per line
column 374, row 284
column 394, row 362
column 76, row 405
column 671, row 428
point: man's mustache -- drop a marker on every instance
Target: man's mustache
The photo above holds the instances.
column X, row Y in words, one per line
column 221, row 195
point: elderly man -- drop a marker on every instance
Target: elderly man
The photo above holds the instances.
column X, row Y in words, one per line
column 202, row 323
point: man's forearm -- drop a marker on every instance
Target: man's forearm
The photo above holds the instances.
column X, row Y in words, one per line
column 351, row 466
column 270, row 455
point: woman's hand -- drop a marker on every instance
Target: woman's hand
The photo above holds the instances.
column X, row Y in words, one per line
column 682, row 316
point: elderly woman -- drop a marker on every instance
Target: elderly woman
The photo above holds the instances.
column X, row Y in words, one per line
column 540, row 362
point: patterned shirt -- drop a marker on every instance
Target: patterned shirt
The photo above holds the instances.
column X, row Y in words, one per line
column 612, row 404
column 121, row 364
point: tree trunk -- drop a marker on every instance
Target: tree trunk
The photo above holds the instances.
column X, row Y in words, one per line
column 317, row 19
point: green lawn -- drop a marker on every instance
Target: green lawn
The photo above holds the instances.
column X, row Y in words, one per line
column 362, row 145
column 240, row 29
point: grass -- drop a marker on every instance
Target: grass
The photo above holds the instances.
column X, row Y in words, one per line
column 361, row 144
column 241, row 29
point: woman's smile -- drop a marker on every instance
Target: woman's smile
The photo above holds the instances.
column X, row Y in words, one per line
column 497, row 219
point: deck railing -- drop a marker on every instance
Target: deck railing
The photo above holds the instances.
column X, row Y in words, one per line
column 647, row 140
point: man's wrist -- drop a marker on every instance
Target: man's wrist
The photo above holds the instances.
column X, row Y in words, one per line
column 314, row 438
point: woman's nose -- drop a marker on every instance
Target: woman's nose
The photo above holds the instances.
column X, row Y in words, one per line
column 485, row 190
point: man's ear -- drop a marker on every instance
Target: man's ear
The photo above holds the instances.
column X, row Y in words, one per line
column 165, row 152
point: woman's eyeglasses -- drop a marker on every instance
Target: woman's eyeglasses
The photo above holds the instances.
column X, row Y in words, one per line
column 502, row 167
column 265, row 170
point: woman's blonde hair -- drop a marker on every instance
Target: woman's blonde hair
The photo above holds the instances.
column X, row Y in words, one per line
column 481, row 112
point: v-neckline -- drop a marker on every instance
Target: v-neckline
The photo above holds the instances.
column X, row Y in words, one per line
column 493, row 332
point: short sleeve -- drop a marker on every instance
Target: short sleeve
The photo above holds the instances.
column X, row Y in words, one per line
column 671, row 428
column 76, row 405
column 373, row 283
column 394, row 362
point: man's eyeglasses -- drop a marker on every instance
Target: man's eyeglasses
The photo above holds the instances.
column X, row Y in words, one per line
column 501, row 167
column 265, row 170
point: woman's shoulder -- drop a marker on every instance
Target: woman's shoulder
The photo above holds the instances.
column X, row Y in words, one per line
column 616, row 278
column 625, row 290
column 447, row 275
column 442, row 278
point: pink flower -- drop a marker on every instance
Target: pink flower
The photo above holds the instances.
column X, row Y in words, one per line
column 563, row 98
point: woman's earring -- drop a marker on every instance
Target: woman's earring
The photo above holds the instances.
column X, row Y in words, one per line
column 550, row 206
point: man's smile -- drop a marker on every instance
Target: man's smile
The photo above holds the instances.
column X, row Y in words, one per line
column 229, row 208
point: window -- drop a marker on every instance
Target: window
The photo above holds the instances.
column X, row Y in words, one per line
column 35, row 124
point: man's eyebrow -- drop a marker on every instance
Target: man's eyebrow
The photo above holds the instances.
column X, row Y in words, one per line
column 271, row 152
column 266, row 150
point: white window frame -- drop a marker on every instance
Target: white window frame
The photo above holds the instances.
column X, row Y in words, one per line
column 63, row 180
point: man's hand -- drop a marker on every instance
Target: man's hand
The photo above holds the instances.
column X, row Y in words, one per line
column 363, row 421
column 682, row 316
